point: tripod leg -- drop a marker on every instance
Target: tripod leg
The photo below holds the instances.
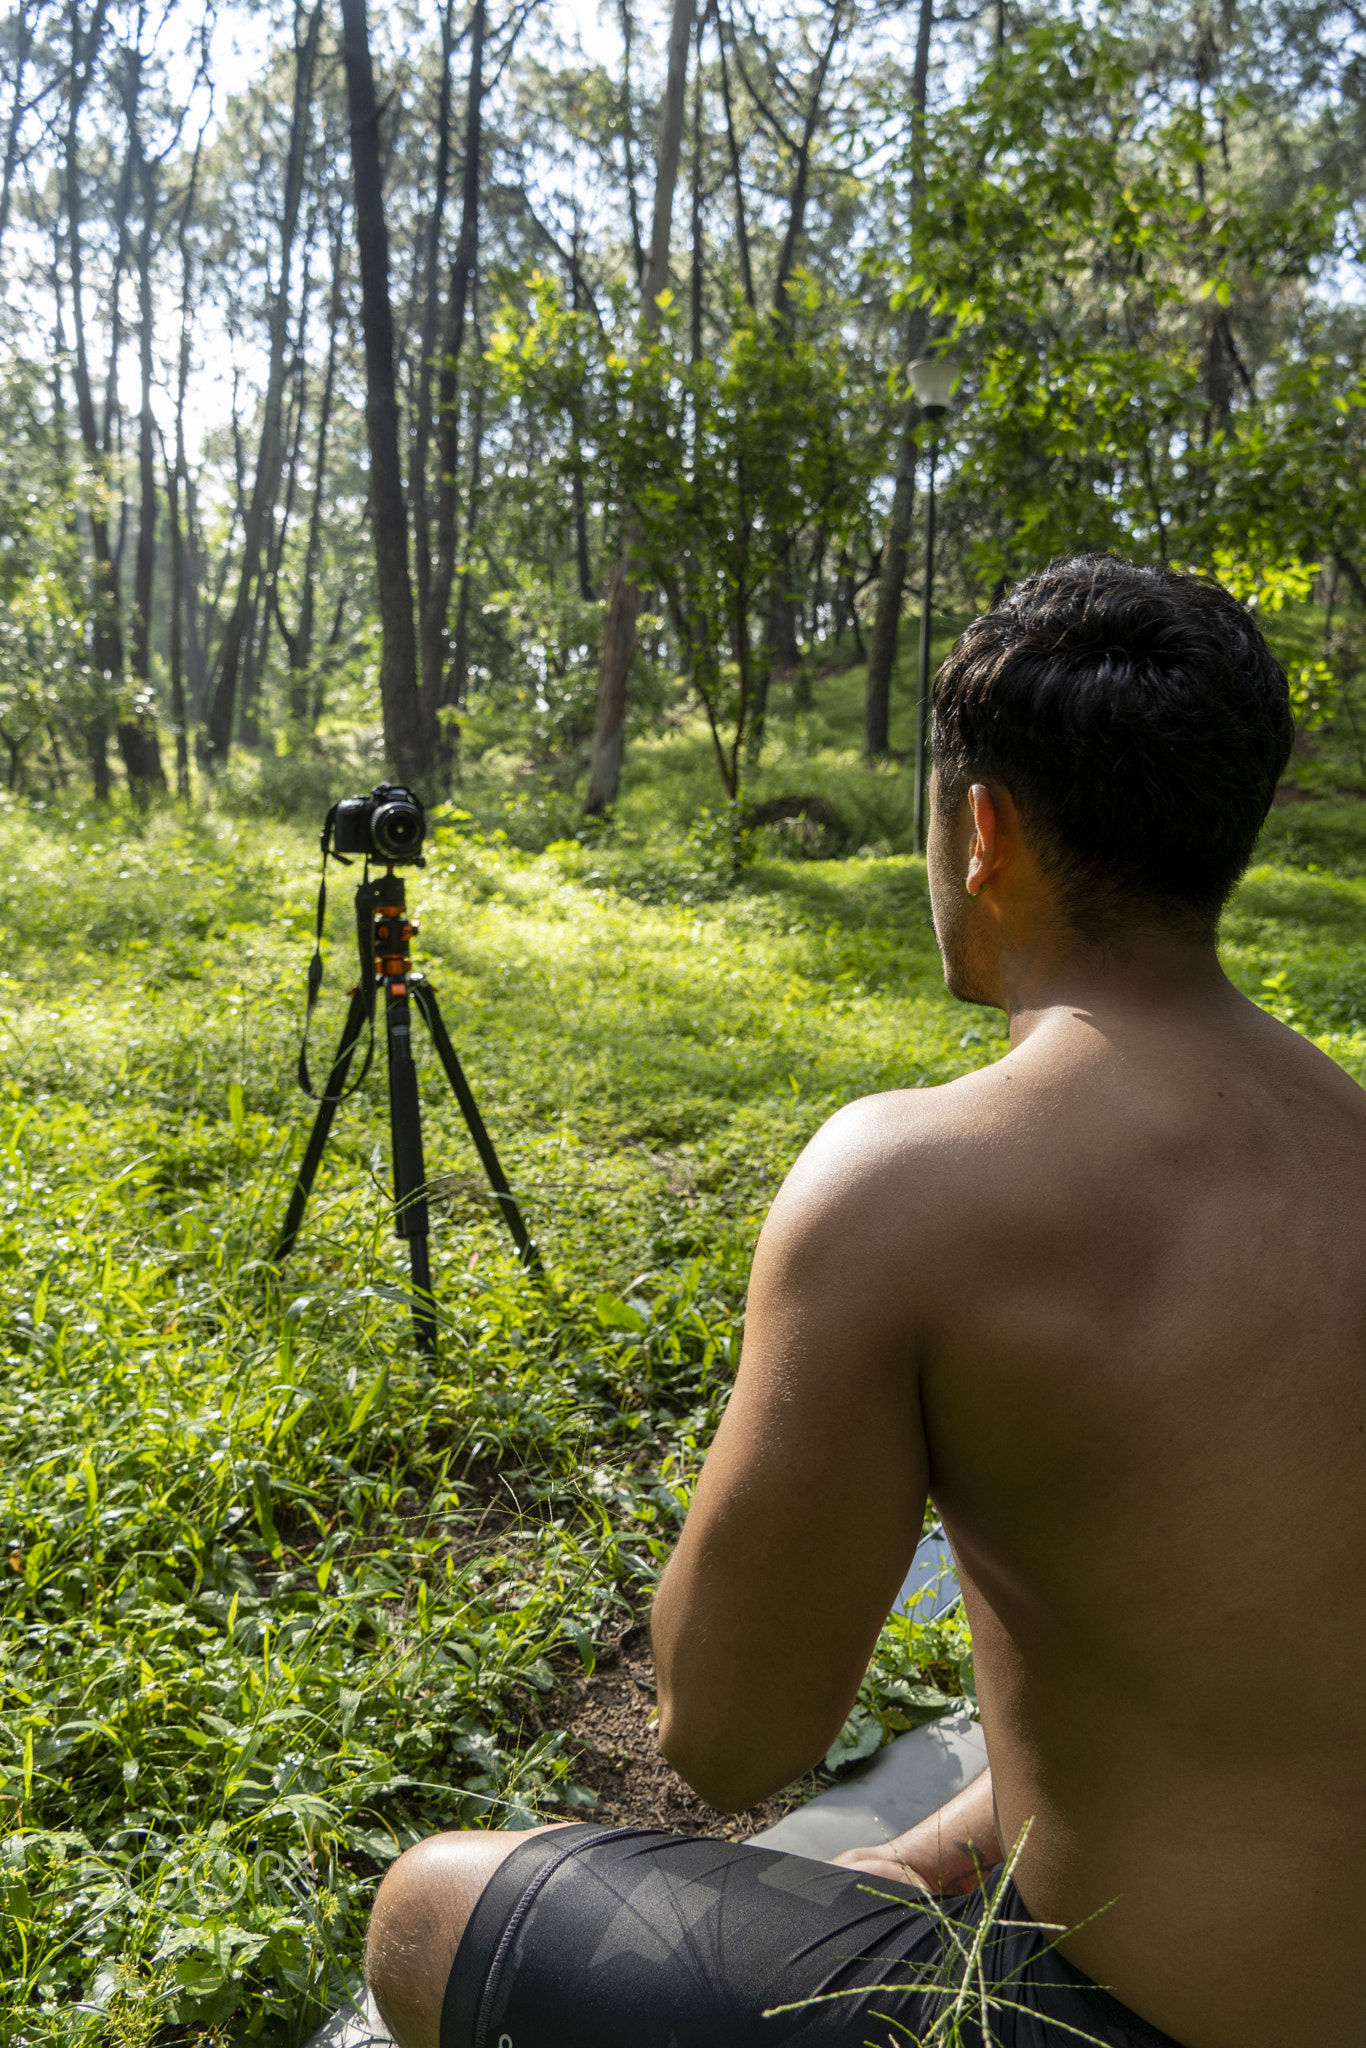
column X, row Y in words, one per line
column 483, row 1143
column 322, row 1124
column 410, row 1172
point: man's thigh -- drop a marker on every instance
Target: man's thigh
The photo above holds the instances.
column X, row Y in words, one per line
column 419, row 1919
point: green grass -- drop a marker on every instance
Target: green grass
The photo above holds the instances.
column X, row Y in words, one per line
column 279, row 1595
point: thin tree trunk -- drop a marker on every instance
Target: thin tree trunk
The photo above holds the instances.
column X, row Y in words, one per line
column 236, row 634
column 695, row 286
column 61, row 440
column 23, row 23
column 399, row 699
column 891, row 583
column 249, row 728
column 106, row 634
column 122, row 201
column 248, row 732
column 431, row 318
column 458, row 684
column 667, row 149
column 175, row 471
column 801, row 180
column 581, row 556
column 299, row 644
column 741, row 226
column 137, row 727
column 437, row 610
column 628, row 139
column 178, row 714
column 196, row 627
column 581, row 561
column 783, row 645
column 623, row 608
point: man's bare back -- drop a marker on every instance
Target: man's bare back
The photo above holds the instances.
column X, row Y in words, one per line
column 1105, row 1302
column 1144, row 1395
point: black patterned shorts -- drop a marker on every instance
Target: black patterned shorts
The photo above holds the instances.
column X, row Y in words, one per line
column 621, row 1938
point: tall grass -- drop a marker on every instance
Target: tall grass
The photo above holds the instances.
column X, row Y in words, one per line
column 962, row 1987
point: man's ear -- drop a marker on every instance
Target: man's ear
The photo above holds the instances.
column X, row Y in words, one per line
column 986, row 854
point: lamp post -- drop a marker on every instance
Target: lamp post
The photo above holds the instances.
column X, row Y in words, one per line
column 933, row 379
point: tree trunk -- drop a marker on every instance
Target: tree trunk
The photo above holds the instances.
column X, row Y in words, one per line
column 137, row 726
column 696, row 283
column 277, row 532
column 628, row 139
column 106, row 634
column 181, row 599
column 618, row 650
column 437, row 609
column 783, row 646
column 581, row 561
column 179, row 717
column 457, row 686
column 431, row 318
column 23, row 43
column 581, row 557
column 196, row 627
column 300, row 643
column 236, row 634
column 619, row 627
column 801, row 178
column 741, row 225
column 891, row 583
column 399, row 699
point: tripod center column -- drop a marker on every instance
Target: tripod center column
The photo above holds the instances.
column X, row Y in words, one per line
column 392, row 966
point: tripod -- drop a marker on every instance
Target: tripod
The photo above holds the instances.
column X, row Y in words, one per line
column 383, row 933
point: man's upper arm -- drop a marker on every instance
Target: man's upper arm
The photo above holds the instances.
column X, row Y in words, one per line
column 810, row 1503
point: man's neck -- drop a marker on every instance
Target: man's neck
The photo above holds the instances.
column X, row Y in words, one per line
column 1139, row 970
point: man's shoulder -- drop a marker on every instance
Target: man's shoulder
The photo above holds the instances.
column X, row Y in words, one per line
column 912, row 1126
column 910, row 1159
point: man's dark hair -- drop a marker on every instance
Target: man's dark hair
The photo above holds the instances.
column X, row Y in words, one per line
column 1140, row 722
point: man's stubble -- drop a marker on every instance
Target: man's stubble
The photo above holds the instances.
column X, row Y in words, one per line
column 951, row 911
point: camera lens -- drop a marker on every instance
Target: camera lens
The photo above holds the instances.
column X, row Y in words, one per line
column 397, row 829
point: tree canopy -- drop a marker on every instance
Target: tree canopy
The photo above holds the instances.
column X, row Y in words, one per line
column 364, row 371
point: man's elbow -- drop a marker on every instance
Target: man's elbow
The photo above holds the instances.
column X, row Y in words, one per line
column 723, row 1769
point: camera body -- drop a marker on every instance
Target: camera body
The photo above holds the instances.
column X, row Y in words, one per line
column 389, row 825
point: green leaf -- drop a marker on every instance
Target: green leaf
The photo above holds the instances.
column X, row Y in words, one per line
column 618, row 1315
column 368, row 1399
column 861, row 1736
column 265, row 1514
column 200, row 1976
column 87, row 1472
column 236, row 1109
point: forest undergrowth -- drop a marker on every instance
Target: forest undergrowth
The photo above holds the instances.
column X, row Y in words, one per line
column 280, row 1595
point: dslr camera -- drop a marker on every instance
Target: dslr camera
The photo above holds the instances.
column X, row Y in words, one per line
column 389, row 824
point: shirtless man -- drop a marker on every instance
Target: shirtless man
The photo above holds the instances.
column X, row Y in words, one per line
column 1105, row 1303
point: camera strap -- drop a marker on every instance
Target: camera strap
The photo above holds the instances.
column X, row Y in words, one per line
column 315, row 980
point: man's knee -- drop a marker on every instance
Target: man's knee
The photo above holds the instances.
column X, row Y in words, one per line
column 419, row 1915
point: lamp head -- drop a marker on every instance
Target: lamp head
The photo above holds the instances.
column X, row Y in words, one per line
column 933, row 379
